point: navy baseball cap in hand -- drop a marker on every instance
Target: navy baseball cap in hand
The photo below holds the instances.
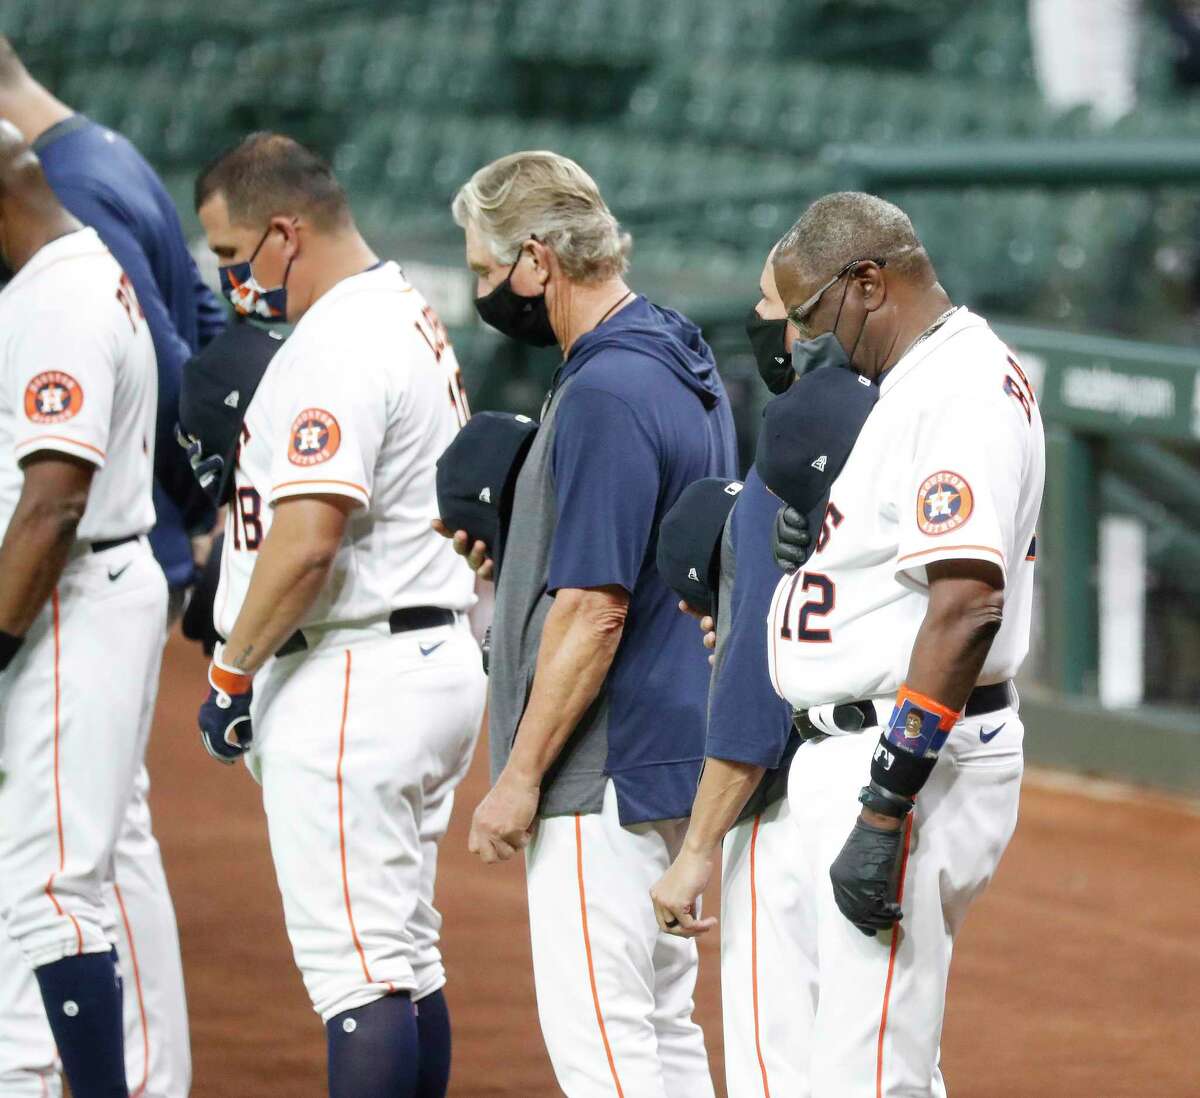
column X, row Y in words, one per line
column 807, row 435
column 216, row 389
column 477, row 473
column 689, row 540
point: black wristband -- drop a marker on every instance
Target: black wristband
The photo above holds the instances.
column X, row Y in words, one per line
column 9, row 646
column 884, row 801
column 899, row 772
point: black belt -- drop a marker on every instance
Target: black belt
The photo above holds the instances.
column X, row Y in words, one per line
column 102, row 546
column 855, row 716
column 399, row 621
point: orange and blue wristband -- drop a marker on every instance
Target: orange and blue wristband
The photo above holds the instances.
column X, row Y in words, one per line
column 908, row 747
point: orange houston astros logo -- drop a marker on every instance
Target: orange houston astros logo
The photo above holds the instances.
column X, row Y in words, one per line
column 315, row 437
column 944, row 503
column 53, row 397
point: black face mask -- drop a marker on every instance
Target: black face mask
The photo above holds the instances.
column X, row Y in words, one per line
column 524, row 319
column 773, row 361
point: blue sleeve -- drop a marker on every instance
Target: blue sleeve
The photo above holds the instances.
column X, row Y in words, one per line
column 606, row 486
column 211, row 316
column 118, row 231
column 748, row 722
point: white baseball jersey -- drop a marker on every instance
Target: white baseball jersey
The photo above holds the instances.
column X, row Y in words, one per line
column 78, row 376
column 360, row 402
column 950, row 464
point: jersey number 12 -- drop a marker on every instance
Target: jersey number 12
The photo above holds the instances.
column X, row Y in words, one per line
column 821, row 591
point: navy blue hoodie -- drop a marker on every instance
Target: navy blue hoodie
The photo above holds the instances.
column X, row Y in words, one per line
column 638, row 413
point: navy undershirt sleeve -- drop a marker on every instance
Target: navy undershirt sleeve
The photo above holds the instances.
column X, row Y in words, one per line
column 606, row 487
column 748, row 721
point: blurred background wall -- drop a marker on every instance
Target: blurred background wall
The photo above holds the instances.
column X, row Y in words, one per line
column 1048, row 152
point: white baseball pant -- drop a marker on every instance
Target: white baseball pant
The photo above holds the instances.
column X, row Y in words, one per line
column 142, row 917
column 614, row 993
column 75, row 708
column 359, row 743
column 767, row 972
column 880, row 1000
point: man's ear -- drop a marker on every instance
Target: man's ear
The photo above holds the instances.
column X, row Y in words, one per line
column 545, row 262
column 288, row 227
column 871, row 282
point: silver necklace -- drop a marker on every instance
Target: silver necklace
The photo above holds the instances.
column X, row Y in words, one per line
column 931, row 329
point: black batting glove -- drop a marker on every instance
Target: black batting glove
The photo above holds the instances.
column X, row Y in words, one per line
column 790, row 539
column 866, row 877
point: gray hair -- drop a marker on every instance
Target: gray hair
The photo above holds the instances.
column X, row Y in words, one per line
column 849, row 225
column 547, row 196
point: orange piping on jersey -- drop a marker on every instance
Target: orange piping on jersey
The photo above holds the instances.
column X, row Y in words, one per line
column 950, row 548
column 762, row 1067
column 137, row 983
column 887, row 987
column 61, row 438
column 62, row 844
column 342, row 830
column 587, row 947
column 313, row 483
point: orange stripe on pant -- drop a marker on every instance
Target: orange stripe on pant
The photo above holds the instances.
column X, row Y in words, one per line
column 754, row 954
column 140, row 1089
column 342, row 829
column 887, row 987
column 62, row 843
column 587, row 947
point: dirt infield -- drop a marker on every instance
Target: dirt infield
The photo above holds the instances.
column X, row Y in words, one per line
column 1077, row 975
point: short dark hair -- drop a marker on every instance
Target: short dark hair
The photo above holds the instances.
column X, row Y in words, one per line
column 266, row 174
column 847, row 225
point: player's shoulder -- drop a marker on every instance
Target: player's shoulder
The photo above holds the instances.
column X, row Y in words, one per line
column 74, row 283
column 970, row 362
column 376, row 316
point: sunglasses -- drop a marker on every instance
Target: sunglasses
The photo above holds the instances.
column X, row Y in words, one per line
column 799, row 314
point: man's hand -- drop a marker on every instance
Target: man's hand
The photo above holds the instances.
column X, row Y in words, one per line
column 866, row 874
column 225, row 728
column 676, row 896
column 790, row 539
column 503, row 822
column 476, row 553
column 708, row 627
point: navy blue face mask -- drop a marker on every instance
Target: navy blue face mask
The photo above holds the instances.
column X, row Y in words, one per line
column 249, row 297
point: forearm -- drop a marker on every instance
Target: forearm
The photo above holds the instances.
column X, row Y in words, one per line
column 573, row 661
column 32, row 557
column 287, row 578
column 948, row 654
column 724, row 789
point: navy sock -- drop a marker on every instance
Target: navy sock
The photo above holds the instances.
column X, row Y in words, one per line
column 373, row 1050
column 433, row 1032
column 82, row 995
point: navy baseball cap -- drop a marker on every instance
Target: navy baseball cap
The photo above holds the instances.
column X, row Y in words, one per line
column 807, row 435
column 477, row 474
column 689, row 540
column 216, row 389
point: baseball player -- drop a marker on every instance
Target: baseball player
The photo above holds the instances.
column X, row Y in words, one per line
column 896, row 641
column 105, row 182
column 596, row 685
column 82, row 603
column 348, row 672
column 741, row 813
